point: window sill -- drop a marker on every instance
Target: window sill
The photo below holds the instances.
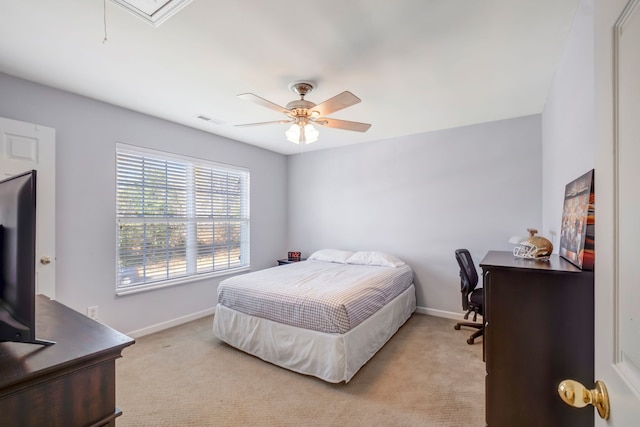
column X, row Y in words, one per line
column 134, row 289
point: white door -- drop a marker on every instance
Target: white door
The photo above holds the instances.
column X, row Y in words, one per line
column 26, row 146
column 617, row 189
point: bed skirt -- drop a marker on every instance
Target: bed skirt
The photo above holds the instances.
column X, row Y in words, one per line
column 331, row 357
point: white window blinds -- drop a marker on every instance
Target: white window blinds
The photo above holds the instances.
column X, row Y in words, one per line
column 178, row 218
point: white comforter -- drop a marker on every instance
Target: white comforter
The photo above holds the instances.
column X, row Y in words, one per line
column 322, row 296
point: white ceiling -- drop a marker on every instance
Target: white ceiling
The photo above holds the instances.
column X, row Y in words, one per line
column 417, row 65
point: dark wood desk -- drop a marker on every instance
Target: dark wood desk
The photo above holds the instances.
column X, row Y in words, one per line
column 538, row 331
column 68, row 384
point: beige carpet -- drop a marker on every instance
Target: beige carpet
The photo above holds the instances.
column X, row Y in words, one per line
column 426, row 375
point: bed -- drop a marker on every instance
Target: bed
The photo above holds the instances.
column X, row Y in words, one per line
column 325, row 317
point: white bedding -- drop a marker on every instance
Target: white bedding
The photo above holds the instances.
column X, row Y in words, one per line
column 253, row 315
column 331, row 357
column 317, row 295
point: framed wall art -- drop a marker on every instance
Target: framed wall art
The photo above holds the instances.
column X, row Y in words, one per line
column 577, row 237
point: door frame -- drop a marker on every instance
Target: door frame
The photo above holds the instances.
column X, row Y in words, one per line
column 609, row 18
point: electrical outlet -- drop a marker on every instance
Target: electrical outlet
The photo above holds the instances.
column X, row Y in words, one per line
column 92, row 312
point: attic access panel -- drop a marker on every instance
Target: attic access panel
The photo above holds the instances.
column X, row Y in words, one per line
column 155, row 12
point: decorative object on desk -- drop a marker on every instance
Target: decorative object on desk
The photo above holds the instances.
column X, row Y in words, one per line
column 533, row 247
column 293, row 256
column 577, row 243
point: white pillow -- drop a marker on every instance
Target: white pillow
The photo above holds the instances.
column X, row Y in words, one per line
column 331, row 255
column 375, row 258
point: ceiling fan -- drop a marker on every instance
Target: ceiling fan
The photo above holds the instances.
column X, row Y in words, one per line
column 302, row 113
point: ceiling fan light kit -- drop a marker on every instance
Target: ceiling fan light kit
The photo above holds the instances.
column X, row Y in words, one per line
column 302, row 134
column 302, row 113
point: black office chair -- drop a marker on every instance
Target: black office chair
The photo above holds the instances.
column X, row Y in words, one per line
column 472, row 297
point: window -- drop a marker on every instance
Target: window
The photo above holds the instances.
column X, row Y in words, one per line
column 178, row 219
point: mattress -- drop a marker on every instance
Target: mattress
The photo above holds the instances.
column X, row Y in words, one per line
column 331, row 357
column 316, row 295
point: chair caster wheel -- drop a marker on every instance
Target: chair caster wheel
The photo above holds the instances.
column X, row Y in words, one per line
column 470, row 341
column 456, row 327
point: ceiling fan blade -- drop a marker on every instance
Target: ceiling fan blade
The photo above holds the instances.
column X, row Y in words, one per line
column 265, row 123
column 343, row 124
column 338, row 102
column 261, row 101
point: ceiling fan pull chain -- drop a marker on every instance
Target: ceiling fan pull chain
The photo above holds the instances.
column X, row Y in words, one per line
column 104, row 18
column 303, row 137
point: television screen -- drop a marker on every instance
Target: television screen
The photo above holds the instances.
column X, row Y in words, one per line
column 18, row 258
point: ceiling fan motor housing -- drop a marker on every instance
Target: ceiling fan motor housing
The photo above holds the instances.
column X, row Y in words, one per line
column 301, row 107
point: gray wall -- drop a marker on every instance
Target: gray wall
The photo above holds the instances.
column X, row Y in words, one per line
column 421, row 197
column 86, row 133
column 568, row 121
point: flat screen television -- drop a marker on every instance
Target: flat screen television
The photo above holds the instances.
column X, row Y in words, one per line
column 18, row 259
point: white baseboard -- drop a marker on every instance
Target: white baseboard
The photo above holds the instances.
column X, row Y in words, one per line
column 210, row 311
column 440, row 313
column 171, row 323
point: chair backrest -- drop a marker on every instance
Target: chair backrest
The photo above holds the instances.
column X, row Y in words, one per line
column 468, row 275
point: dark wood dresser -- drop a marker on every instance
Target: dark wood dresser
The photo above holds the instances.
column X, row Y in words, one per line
column 538, row 331
column 68, row 384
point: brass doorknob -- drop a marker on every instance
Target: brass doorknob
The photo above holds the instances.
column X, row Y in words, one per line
column 575, row 394
column 45, row 260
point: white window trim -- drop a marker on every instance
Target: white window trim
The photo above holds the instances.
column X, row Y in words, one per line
column 181, row 281
column 136, row 150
